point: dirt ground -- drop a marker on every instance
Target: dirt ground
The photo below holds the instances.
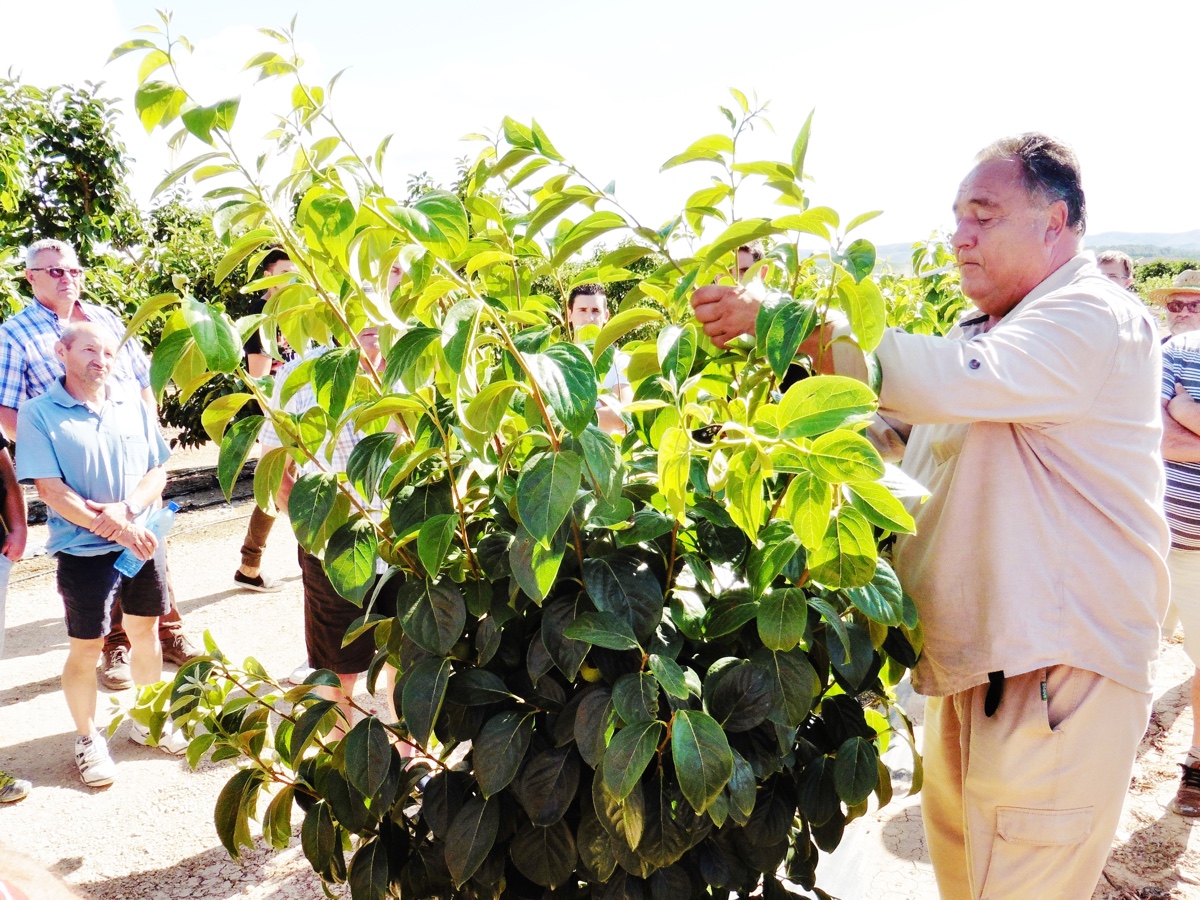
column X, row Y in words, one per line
column 151, row 834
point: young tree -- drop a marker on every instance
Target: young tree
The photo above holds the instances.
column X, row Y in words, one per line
column 662, row 664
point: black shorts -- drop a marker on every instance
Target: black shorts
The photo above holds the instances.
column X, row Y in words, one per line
column 328, row 616
column 89, row 585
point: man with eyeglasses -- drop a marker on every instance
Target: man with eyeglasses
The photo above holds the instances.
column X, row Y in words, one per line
column 29, row 367
column 1181, row 453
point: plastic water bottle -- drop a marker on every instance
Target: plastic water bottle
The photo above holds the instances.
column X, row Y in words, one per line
column 159, row 523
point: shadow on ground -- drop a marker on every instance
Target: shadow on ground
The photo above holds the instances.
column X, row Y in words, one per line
column 212, row 875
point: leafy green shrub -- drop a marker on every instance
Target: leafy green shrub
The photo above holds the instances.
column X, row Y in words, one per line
column 661, row 664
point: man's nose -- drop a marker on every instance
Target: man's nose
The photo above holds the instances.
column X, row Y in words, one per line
column 962, row 237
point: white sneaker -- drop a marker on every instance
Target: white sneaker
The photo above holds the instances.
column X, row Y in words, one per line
column 96, row 767
column 301, row 672
column 172, row 740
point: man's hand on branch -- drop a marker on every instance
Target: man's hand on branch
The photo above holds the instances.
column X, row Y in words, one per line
column 728, row 310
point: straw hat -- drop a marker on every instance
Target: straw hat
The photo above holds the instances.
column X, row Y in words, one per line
column 1186, row 282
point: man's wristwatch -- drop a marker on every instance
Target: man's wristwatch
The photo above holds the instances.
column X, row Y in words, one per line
column 134, row 509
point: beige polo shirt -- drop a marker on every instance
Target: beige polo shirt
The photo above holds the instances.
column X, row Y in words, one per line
column 1044, row 539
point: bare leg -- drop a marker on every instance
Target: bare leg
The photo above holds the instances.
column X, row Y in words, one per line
column 79, row 682
column 145, row 659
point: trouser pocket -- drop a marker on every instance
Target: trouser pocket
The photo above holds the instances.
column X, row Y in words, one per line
column 1035, row 847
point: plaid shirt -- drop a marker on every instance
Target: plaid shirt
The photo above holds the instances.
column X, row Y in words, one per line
column 28, row 365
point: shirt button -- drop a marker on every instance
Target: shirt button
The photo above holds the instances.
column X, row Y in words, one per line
column 974, row 364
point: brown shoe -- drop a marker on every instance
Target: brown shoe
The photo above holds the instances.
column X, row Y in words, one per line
column 1187, row 798
column 114, row 669
column 179, row 650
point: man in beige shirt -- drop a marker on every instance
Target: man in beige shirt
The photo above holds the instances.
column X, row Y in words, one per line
column 1038, row 561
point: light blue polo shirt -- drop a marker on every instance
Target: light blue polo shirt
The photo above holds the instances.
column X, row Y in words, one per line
column 101, row 457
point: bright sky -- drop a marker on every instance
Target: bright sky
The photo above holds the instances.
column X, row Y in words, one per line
column 905, row 93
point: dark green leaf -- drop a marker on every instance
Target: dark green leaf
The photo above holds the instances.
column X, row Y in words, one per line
column 635, row 696
column 369, row 460
column 795, row 681
column 533, row 566
column 648, row 524
column 333, row 376
column 856, row 770
column 368, row 756
column 369, row 872
column 434, row 540
column 424, row 693
column 415, row 505
column 556, row 617
column 743, row 790
column 471, row 838
column 500, row 749
column 602, row 629
column 433, row 614
column 601, row 460
column 624, row 820
column 595, row 848
column 790, row 325
column 546, row 491
column 782, row 617
column 317, row 836
column 548, row 785
column 818, row 796
column 277, row 820
column 669, row 675
column 350, row 559
column 567, row 382
column 545, row 856
column 622, row 584
column 741, row 697
column 765, row 563
column 166, row 357
column 595, row 723
column 311, row 501
column 703, row 761
column 234, row 450
column 630, row 752
column 235, row 806
column 478, row 687
column 861, row 654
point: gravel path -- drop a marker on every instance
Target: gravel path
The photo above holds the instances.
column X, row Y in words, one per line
column 151, row 834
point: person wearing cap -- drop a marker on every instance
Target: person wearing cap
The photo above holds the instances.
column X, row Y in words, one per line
column 1181, row 453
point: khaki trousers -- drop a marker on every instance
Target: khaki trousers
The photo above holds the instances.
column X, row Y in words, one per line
column 1026, row 803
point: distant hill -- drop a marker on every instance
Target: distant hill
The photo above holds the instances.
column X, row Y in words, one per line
column 1141, row 245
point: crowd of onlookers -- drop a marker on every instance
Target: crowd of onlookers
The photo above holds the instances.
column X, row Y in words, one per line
column 1043, row 561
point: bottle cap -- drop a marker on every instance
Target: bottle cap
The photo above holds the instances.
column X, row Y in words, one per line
column 173, row 506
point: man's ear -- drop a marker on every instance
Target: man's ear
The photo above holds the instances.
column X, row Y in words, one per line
column 60, row 350
column 1056, row 222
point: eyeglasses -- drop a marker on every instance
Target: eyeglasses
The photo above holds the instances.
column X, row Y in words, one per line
column 1178, row 306
column 58, row 271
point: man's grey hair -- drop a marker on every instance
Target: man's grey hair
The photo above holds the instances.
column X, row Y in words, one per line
column 1050, row 170
column 32, row 251
column 1116, row 256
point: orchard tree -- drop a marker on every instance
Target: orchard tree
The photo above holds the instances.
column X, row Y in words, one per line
column 656, row 666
